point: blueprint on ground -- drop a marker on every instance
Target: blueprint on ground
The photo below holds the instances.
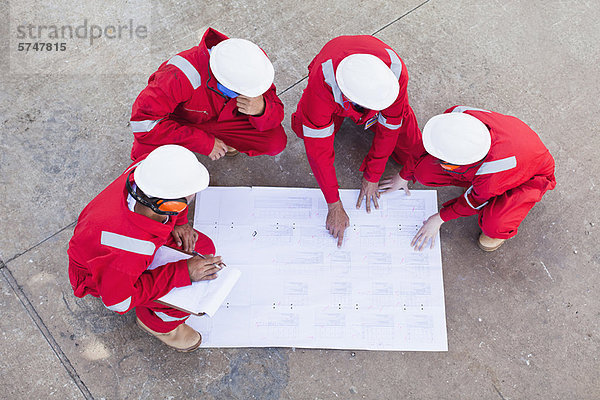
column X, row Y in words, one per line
column 297, row 289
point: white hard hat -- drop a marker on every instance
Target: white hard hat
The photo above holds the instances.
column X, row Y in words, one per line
column 456, row 138
column 367, row 81
column 171, row 172
column 242, row 66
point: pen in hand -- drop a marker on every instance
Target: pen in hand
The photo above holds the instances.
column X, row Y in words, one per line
column 220, row 265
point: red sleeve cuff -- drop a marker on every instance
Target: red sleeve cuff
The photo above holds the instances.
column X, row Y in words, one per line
column 182, row 274
column 373, row 178
column 448, row 213
column 406, row 175
column 331, row 197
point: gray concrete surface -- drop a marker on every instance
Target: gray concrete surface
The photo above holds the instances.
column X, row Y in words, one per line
column 523, row 323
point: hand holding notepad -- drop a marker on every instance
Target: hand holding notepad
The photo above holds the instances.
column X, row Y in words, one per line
column 200, row 297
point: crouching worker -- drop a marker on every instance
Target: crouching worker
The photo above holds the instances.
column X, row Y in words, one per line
column 502, row 163
column 215, row 99
column 118, row 233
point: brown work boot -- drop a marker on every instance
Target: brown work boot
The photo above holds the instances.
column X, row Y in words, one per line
column 231, row 152
column 183, row 338
column 487, row 243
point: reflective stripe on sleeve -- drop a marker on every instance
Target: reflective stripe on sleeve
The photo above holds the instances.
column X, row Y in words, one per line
column 168, row 318
column 143, row 126
column 329, row 76
column 491, row 167
column 119, row 307
column 188, row 69
column 460, row 109
column 127, row 243
column 396, row 64
column 318, row 133
column 381, row 119
column 467, row 193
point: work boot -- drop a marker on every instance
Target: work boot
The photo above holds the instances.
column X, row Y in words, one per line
column 231, row 152
column 487, row 243
column 183, row 338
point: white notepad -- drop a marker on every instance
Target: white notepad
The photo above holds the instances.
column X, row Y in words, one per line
column 204, row 297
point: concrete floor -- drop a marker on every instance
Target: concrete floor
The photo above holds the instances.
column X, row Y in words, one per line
column 523, row 323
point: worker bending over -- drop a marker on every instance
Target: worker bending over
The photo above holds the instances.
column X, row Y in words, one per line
column 362, row 78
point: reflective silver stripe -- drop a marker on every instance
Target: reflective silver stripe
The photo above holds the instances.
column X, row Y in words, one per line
column 318, row 133
column 491, row 167
column 132, row 167
column 188, row 69
column 127, row 243
column 143, row 126
column 119, row 307
column 460, row 109
column 381, row 119
column 469, row 203
column 327, row 67
column 168, row 318
column 396, row 64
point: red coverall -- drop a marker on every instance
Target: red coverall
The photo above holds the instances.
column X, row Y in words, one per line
column 181, row 105
column 323, row 107
column 505, row 185
column 111, row 250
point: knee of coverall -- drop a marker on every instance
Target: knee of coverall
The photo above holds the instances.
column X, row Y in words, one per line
column 297, row 125
column 426, row 169
column 276, row 143
column 204, row 244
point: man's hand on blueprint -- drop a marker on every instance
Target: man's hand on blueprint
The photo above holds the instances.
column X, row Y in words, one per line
column 203, row 269
column 368, row 190
column 427, row 232
column 337, row 221
column 394, row 183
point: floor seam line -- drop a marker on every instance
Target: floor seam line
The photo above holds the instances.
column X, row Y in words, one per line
column 39, row 243
column 400, row 17
column 294, row 84
column 64, row 360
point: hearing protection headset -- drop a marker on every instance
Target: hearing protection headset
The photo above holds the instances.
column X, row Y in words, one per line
column 159, row 206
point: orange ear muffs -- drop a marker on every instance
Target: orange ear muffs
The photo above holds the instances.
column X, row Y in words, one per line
column 175, row 206
column 159, row 206
column 448, row 166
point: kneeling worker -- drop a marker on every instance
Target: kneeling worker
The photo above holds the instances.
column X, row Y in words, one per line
column 214, row 99
column 501, row 162
column 118, row 233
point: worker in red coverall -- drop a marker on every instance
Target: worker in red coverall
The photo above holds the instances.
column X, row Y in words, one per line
column 502, row 163
column 214, row 99
column 119, row 232
column 362, row 78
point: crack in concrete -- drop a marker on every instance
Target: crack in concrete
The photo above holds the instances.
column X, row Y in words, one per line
column 40, row 243
column 498, row 391
column 400, row 17
column 64, row 360
column 372, row 34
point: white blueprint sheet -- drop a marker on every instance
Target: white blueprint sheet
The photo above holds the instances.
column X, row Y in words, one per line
column 298, row 289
